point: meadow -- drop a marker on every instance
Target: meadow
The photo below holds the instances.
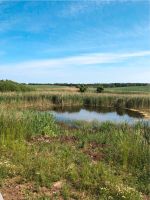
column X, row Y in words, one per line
column 43, row 159
column 117, row 90
column 131, row 89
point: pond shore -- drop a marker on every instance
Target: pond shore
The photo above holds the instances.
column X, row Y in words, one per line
column 145, row 113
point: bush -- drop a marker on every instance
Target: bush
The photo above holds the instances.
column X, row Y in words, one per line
column 99, row 89
column 82, row 88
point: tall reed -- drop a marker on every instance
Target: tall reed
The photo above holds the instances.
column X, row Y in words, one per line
column 118, row 101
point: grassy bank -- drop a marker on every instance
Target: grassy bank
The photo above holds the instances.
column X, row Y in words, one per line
column 11, row 86
column 52, row 161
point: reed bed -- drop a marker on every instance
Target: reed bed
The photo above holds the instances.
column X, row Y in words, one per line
column 108, row 100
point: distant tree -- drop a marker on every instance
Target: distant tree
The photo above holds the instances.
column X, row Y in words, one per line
column 82, row 88
column 99, row 89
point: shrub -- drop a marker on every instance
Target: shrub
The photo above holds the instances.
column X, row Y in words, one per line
column 99, row 89
column 82, row 88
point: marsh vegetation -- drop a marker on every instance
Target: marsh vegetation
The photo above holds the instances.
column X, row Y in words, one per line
column 10, row 86
column 41, row 158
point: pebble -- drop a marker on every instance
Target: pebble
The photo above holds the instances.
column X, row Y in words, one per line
column 1, row 198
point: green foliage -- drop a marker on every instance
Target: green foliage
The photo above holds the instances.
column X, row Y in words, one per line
column 26, row 124
column 82, row 88
column 10, row 86
column 99, row 89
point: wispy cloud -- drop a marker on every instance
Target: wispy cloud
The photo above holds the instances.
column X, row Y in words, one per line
column 80, row 60
column 83, row 6
column 79, row 7
column 85, row 68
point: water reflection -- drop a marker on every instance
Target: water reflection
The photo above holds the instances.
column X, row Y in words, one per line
column 91, row 113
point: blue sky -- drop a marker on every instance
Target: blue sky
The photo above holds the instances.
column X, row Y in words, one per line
column 75, row 41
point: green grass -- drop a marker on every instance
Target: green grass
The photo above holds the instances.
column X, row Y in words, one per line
column 131, row 89
column 11, row 86
column 95, row 161
column 124, row 90
column 118, row 90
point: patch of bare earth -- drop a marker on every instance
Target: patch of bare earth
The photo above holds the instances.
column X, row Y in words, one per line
column 146, row 197
column 13, row 189
column 48, row 139
column 95, row 151
column 54, row 191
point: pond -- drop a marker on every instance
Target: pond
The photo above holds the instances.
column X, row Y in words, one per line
column 74, row 113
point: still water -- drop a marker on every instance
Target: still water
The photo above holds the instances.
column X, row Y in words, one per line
column 95, row 114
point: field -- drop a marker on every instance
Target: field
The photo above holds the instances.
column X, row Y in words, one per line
column 42, row 159
column 131, row 89
column 119, row 90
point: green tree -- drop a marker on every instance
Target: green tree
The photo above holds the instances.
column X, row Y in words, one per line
column 82, row 88
column 99, row 89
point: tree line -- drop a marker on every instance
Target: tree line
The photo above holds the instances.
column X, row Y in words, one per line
column 105, row 85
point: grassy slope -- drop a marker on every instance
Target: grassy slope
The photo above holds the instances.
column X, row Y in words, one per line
column 95, row 161
column 11, row 86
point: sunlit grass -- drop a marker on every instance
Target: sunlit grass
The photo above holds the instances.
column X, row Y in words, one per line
column 106, row 161
column 90, row 160
column 96, row 100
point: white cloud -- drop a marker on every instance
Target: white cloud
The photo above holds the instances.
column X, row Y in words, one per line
column 81, row 68
column 80, row 60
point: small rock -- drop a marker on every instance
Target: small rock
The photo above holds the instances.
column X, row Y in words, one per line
column 58, row 185
column 1, row 198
